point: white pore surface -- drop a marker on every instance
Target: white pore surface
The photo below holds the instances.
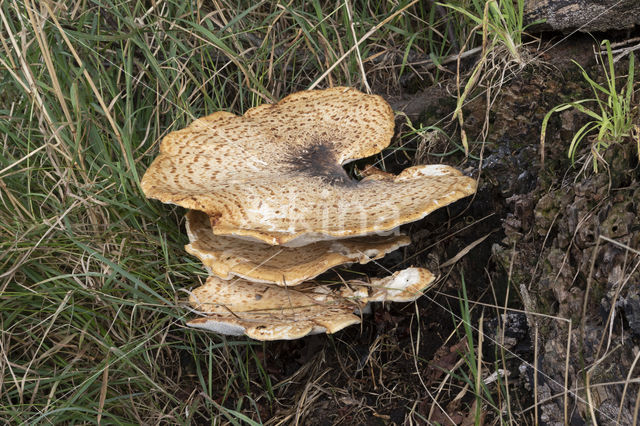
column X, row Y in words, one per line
column 310, row 238
column 433, row 170
column 402, row 281
column 339, row 247
column 219, row 327
column 394, row 287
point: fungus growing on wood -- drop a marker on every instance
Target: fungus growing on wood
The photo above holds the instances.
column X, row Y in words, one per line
column 275, row 174
column 269, row 312
column 259, row 262
column 271, row 204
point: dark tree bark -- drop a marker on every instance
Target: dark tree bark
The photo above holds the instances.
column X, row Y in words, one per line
column 583, row 15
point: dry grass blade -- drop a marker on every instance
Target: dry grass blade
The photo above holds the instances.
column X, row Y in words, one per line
column 107, row 112
column 103, row 391
column 42, row 41
column 347, row 5
column 359, row 42
column 92, row 273
column 464, row 251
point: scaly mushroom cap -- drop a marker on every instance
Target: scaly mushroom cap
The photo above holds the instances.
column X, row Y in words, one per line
column 268, row 312
column 260, row 262
column 288, row 324
column 275, row 174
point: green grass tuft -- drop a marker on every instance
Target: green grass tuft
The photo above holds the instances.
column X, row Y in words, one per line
column 613, row 119
column 92, row 273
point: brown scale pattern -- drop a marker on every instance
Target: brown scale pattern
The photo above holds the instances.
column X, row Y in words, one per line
column 260, row 262
column 275, row 173
column 269, row 312
column 288, row 324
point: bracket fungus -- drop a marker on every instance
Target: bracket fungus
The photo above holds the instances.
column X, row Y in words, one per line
column 275, row 174
column 272, row 207
column 268, row 312
column 259, row 262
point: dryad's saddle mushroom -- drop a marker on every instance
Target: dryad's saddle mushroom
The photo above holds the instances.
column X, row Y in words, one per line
column 260, row 262
column 273, row 207
column 275, row 174
column 270, row 312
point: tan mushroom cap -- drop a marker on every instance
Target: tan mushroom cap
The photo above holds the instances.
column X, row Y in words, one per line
column 289, row 324
column 226, row 257
column 269, row 312
column 275, row 174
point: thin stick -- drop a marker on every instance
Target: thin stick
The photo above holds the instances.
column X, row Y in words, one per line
column 535, row 373
column 566, row 376
column 587, row 388
column 479, row 363
column 626, row 386
column 635, row 413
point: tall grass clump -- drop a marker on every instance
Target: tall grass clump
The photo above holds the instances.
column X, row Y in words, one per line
column 500, row 27
column 93, row 276
column 611, row 116
column 473, row 374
